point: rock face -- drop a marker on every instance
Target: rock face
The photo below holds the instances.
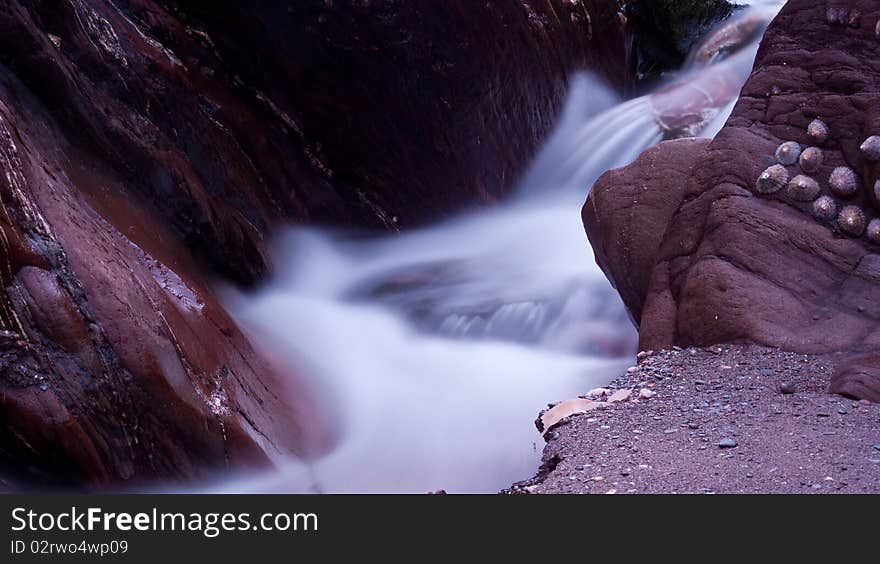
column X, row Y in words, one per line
column 702, row 256
column 142, row 141
column 226, row 119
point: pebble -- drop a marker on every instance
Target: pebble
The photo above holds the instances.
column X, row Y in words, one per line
column 632, row 369
column 670, row 431
column 843, row 411
column 693, row 426
column 645, row 393
column 786, row 388
column 44, row 387
column 877, row 446
column 727, row 443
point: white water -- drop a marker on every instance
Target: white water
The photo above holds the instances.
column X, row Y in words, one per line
column 435, row 350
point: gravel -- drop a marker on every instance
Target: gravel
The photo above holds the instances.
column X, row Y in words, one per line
column 718, row 422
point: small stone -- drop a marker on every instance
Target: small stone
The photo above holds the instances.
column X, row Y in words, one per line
column 877, row 446
column 727, row 443
column 843, row 411
column 44, row 387
column 786, row 388
column 624, row 472
column 645, row 393
column 632, row 369
column 693, row 426
column 670, row 431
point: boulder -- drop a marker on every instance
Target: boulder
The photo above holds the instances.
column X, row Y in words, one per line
column 710, row 257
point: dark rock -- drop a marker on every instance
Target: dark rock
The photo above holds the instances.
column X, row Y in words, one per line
column 700, row 258
column 727, row 443
column 141, row 141
column 787, row 388
column 665, row 31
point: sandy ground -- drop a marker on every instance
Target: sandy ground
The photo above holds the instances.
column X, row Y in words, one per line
column 790, row 436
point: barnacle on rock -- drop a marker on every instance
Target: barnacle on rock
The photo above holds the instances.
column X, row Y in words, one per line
column 825, row 208
column 851, row 221
column 771, row 180
column 817, row 131
column 844, row 182
column 870, row 148
column 788, row 153
column 803, row 189
column 811, row 159
column 836, row 16
column 874, row 231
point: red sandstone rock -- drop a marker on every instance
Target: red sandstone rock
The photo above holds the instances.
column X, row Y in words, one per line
column 705, row 259
column 142, row 140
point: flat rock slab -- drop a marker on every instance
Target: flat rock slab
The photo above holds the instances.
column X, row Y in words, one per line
column 803, row 442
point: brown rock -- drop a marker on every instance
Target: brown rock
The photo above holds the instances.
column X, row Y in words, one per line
column 708, row 260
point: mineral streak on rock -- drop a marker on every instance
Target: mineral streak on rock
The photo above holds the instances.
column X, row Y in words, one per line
column 811, row 159
column 844, row 182
column 803, row 189
column 851, row 221
column 788, row 153
column 771, row 180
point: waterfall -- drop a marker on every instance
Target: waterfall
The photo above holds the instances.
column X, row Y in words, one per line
column 433, row 351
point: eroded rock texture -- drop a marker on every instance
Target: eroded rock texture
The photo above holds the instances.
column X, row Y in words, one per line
column 702, row 256
column 143, row 141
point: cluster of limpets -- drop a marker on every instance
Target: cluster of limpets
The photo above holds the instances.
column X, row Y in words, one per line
column 843, row 182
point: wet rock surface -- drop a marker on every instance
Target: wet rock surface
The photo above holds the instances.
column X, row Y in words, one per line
column 737, row 260
column 143, row 144
column 717, row 422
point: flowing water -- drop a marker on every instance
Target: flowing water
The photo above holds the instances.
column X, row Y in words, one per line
column 433, row 351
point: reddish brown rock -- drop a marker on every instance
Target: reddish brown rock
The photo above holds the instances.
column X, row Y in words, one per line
column 141, row 141
column 735, row 265
column 226, row 119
